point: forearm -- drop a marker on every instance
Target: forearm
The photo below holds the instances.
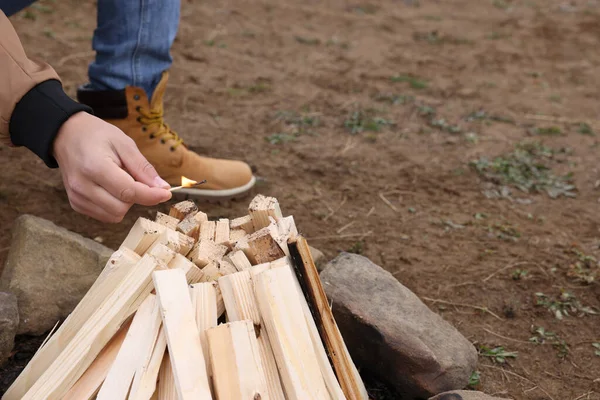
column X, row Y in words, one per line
column 33, row 105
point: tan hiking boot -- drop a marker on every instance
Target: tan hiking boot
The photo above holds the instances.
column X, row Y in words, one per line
column 141, row 120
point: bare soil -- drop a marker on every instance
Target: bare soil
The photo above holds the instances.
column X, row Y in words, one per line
column 401, row 191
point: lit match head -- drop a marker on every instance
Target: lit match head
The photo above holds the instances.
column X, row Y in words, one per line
column 185, row 182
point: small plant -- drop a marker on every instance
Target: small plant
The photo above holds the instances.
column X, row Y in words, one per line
column 542, row 336
column 357, row 248
column 527, row 169
column 365, row 120
column 482, row 115
column 442, row 125
column 279, row 138
column 474, row 379
column 504, row 232
column 500, row 4
column 548, row 131
column 585, row 129
column 497, row 354
column 415, row 83
column 565, row 305
column 519, row 274
column 307, row 41
column 585, row 268
column 597, row 348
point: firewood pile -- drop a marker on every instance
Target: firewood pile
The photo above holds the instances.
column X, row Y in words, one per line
column 194, row 309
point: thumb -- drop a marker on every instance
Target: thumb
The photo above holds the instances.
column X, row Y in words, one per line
column 140, row 168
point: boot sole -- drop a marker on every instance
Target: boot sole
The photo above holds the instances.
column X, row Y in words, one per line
column 215, row 196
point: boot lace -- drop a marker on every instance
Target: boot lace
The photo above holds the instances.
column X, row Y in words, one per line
column 164, row 132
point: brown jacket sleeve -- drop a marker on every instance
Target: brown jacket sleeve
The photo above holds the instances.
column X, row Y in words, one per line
column 33, row 105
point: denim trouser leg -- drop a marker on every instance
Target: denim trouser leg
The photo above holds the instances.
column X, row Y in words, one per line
column 132, row 43
column 10, row 7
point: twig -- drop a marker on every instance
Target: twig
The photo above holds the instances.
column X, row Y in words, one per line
column 564, row 120
column 343, row 228
column 583, row 395
column 74, row 56
column 450, row 303
column 387, row 202
column 371, row 211
column 337, row 209
column 522, row 377
column 507, row 267
column 504, row 337
column 346, row 236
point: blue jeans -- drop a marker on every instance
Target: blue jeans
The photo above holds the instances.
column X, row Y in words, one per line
column 132, row 41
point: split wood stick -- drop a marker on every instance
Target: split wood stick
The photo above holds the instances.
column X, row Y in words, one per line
column 240, row 303
column 261, row 208
column 142, row 235
column 289, row 336
column 94, row 334
column 207, row 230
column 206, row 251
column 167, row 390
column 216, row 269
column 282, row 231
column 234, row 356
column 222, row 232
column 244, row 223
column 234, row 236
column 192, row 273
column 183, row 209
column 176, row 241
column 347, row 374
column 204, row 300
column 190, row 227
column 239, row 260
column 331, row 382
column 162, row 253
column 183, row 338
column 146, row 375
column 88, row 385
column 117, row 267
column 166, row 220
column 138, row 346
column 200, row 217
column 260, row 247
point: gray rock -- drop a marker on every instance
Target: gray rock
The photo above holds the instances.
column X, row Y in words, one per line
column 49, row 269
column 465, row 395
column 392, row 334
column 9, row 321
column 318, row 258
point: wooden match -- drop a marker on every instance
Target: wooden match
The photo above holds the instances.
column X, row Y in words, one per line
column 187, row 186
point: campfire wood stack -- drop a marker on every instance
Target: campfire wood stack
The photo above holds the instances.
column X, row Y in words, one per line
column 194, row 309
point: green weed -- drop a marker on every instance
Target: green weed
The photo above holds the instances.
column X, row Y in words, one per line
column 365, row 120
column 597, row 348
column 474, row 379
column 548, row 131
column 415, row 83
column 585, row 268
column 497, row 354
column 565, row 305
column 307, row 41
column 585, row 129
column 527, row 169
column 519, row 274
column 357, row 248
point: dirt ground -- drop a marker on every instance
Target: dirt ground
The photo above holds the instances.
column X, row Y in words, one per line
column 363, row 118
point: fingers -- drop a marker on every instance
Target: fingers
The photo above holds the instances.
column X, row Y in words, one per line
column 125, row 189
column 84, row 206
column 140, row 168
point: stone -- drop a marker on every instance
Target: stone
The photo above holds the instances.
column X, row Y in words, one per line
column 49, row 269
column 465, row 395
column 392, row 334
column 9, row 321
column 318, row 258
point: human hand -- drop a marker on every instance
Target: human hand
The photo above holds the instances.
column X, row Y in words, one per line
column 103, row 171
